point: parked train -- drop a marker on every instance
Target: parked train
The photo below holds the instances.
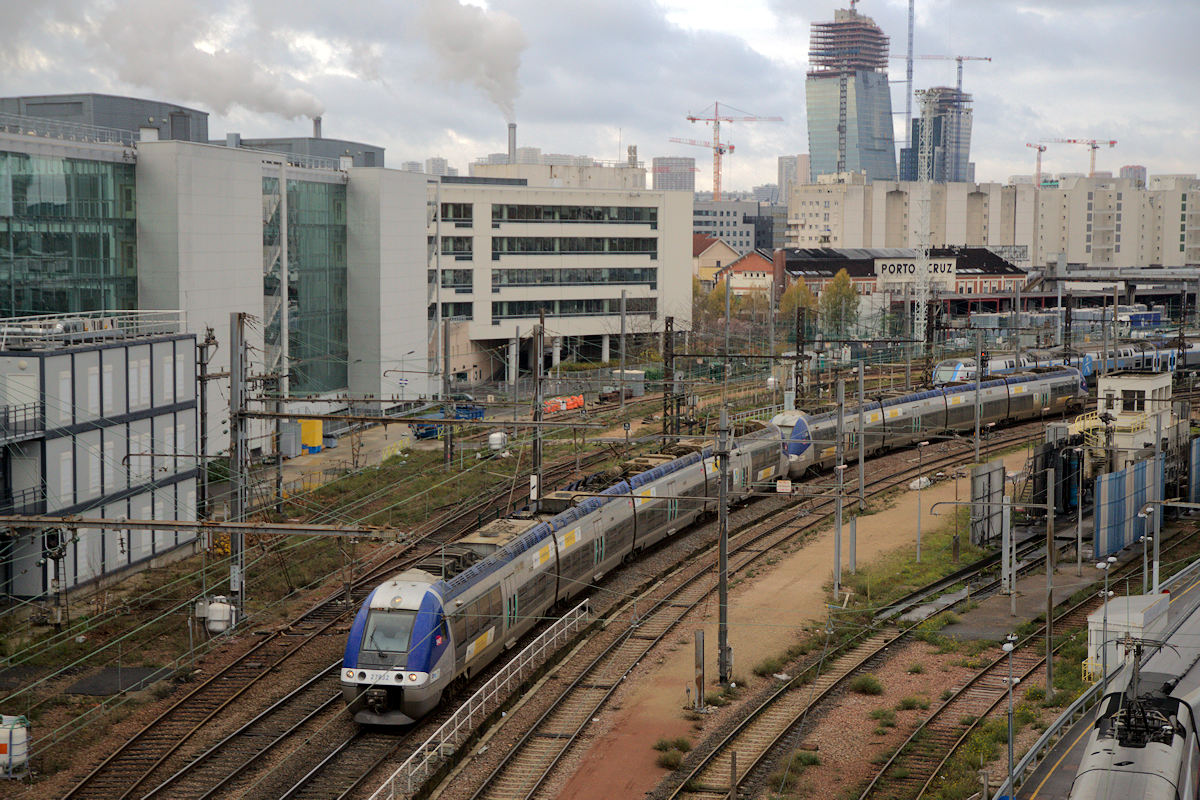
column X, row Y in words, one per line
column 901, row 421
column 1159, row 356
column 453, row 613
column 1144, row 743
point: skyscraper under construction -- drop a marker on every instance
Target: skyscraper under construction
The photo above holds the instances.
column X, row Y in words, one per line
column 849, row 101
column 950, row 143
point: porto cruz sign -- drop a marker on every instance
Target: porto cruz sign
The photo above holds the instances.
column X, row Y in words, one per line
column 893, row 271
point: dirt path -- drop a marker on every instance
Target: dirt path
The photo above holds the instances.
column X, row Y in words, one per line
column 766, row 614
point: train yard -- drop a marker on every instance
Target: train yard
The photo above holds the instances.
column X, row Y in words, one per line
column 235, row 734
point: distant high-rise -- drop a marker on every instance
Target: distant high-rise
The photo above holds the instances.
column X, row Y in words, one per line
column 1135, row 173
column 793, row 171
column 674, row 174
column 437, row 166
column 950, row 143
column 849, row 101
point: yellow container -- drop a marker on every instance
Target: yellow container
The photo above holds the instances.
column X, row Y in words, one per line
column 311, row 435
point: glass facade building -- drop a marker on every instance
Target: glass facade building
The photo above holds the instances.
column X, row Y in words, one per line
column 68, row 235
column 870, row 143
column 318, row 350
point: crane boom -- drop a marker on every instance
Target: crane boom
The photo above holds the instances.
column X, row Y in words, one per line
column 719, row 148
column 1037, row 175
column 1092, row 144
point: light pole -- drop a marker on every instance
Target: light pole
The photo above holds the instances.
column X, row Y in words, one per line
column 920, row 465
column 1145, row 514
column 1105, row 566
column 988, row 439
column 837, row 537
column 1009, row 644
column 1079, row 515
column 1145, row 540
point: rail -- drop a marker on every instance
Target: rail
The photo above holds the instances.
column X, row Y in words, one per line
column 757, row 413
column 70, row 131
column 1051, row 736
column 410, row 775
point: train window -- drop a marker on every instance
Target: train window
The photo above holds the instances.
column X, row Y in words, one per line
column 388, row 631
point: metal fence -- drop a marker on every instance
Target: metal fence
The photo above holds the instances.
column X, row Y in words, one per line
column 1120, row 497
column 69, row 131
column 1080, row 707
column 422, row 764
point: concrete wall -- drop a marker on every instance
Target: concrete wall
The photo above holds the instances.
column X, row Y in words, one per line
column 386, row 267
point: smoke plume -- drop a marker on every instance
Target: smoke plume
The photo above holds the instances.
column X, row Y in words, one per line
column 482, row 48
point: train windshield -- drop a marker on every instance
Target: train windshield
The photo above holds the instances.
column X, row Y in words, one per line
column 948, row 371
column 388, row 631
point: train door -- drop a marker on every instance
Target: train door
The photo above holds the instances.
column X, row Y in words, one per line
column 511, row 610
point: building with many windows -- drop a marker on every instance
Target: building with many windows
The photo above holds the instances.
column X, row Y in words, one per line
column 168, row 120
column 848, row 99
column 731, row 221
column 97, row 419
column 674, row 174
column 1095, row 222
column 950, row 140
column 509, row 250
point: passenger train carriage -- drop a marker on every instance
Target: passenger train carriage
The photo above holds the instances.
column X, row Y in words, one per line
column 1159, row 356
column 456, row 611
column 900, row 421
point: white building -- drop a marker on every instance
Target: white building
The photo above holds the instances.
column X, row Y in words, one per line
column 731, row 221
column 1096, row 222
column 97, row 418
column 511, row 249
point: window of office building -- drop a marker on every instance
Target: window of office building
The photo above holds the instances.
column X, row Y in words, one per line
column 573, row 245
column 593, row 307
column 574, row 276
column 68, row 235
column 627, row 215
column 317, row 303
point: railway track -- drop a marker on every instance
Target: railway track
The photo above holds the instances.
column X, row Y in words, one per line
column 125, row 771
column 915, row 765
column 527, row 766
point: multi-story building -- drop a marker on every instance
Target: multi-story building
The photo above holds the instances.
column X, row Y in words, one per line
column 674, row 174
column 792, row 171
column 709, row 255
column 849, row 101
column 97, row 419
column 507, row 249
column 360, row 154
column 1094, row 222
column 950, row 140
column 731, row 221
column 168, row 120
column 1135, row 173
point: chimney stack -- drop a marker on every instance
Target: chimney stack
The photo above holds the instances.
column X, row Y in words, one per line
column 512, row 142
column 316, row 127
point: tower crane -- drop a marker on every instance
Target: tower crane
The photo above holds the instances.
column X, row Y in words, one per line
column 1092, row 144
column 719, row 148
column 1037, row 173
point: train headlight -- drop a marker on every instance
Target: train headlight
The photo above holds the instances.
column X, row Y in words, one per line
column 399, row 677
column 412, row 676
column 350, row 673
column 362, row 676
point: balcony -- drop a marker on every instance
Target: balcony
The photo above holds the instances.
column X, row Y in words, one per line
column 20, row 423
column 26, row 502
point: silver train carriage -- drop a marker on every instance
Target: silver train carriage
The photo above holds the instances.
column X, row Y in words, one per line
column 1143, row 743
column 810, row 439
column 455, row 612
column 1159, row 356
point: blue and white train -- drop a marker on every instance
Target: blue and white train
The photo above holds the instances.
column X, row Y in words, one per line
column 1157, row 356
column 810, row 439
column 452, row 614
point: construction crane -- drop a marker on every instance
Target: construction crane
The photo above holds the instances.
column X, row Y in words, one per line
column 1037, row 173
column 958, row 83
column 1092, row 144
column 719, row 148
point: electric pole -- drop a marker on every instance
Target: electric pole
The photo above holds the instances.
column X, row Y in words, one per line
column 447, row 405
column 239, row 461
column 203, row 357
column 538, row 351
column 723, row 654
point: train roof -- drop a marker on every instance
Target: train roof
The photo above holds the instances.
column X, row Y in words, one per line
column 401, row 591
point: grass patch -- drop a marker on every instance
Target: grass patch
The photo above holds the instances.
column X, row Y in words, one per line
column 912, row 702
column 670, row 751
column 768, row 666
column 670, row 759
column 787, row 778
column 916, row 669
column 866, row 684
column 885, row 717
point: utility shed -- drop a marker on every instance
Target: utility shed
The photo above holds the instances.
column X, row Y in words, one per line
column 1142, row 616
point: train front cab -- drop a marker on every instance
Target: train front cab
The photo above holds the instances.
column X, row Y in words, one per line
column 397, row 659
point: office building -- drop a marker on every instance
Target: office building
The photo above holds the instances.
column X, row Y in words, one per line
column 950, row 140
column 731, row 221
column 849, row 101
column 511, row 248
column 168, row 120
column 1095, row 222
column 792, row 171
column 97, row 419
column 674, row 174
column 360, row 154
column 1135, row 173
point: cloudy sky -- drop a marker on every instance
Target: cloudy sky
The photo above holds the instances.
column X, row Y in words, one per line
column 441, row 77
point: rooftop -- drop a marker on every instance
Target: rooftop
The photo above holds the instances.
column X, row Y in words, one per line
column 55, row 331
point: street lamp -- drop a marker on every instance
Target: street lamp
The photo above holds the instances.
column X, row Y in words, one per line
column 1145, row 514
column 1145, row 540
column 920, row 463
column 1105, row 565
column 1009, row 645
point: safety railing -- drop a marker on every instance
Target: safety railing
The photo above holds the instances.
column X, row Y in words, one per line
column 422, row 764
column 1081, row 706
column 23, row 421
column 765, row 412
column 68, row 131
